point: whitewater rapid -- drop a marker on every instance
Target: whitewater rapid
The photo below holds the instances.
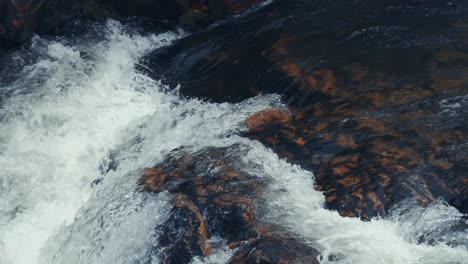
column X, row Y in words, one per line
column 79, row 124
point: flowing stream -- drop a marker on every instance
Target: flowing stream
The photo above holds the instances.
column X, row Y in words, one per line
column 79, row 123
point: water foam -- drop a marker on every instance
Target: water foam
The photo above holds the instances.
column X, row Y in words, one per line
column 66, row 114
column 295, row 204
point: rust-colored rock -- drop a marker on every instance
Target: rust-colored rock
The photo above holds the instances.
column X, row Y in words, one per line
column 367, row 111
column 213, row 197
column 366, row 163
column 268, row 117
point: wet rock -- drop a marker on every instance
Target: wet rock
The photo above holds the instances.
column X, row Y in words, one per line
column 189, row 13
column 375, row 114
column 192, row 18
column 275, row 248
column 364, row 166
column 20, row 19
column 259, row 120
column 250, row 55
column 373, row 141
column 158, row 9
column 202, row 12
column 213, row 197
column 98, row 9
column 376, row 123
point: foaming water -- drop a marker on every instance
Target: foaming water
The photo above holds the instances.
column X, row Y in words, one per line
column 82, row 114
column 295, row 204
column 222, row 253
column 67, row 113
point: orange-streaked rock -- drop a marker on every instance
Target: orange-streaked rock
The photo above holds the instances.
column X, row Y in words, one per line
column 212, row 197
column 259, row 120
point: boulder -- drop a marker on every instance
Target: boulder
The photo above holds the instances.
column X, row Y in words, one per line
column 275, row 248
column 213, row 198
column 364, row 166
column 20, row 19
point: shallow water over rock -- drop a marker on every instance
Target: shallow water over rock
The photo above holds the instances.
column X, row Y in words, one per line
column 376, row 93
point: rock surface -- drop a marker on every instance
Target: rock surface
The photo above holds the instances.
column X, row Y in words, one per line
column 366, row 176
column 377, row 113
column 213, row 197
column 20, row 19
column 186, row 12
column 275, row 248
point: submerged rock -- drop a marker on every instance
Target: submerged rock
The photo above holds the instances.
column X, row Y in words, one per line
column 275, row 248
column 368, row 175
column 214, row 198
column 377, row 113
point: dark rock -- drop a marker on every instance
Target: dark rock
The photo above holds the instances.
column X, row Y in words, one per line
column 275, row 248
column 159, row 9
column 98, row 9
column 213, row 197
column 192, row 18
column 203, row 12
column 364, row 166
column 20, row 19
column 55, row 13
column 189, row 13
column 369, row 107
column 249, row 55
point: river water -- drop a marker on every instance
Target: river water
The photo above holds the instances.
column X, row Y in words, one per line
column 76, row 109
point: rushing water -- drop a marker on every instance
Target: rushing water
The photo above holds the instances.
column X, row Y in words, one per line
column 77, row 110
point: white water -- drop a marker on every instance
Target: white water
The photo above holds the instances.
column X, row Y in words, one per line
column 83, row 104
column 296, row 205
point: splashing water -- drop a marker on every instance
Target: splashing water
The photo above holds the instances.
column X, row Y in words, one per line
column 295, row 204
column 56, row 130
column 68, row 112
column 82, row 106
